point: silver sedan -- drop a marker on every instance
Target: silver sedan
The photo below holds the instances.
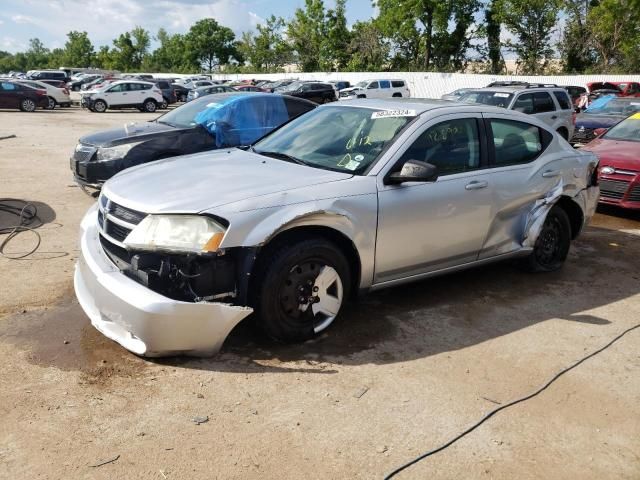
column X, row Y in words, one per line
column 348, row 198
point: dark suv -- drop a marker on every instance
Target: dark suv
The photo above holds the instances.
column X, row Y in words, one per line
column 48, row 75
column 168, row 93
column 314, row 91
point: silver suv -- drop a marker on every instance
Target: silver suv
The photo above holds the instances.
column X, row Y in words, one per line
column 551, row 105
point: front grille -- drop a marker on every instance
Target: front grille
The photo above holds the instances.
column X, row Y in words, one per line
column 634, row 194
column 614, row 189
column 126, row 214
column 115, row 231
column 116, row 221
column 584, row 134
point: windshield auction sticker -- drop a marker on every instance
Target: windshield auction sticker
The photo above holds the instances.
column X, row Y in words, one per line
column 636, row 116
column 393, row 113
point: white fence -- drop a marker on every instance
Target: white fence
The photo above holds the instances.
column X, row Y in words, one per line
column 434, row 85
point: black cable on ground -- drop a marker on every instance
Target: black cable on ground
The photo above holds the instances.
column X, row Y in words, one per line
column 28, row 221
column 507, row 405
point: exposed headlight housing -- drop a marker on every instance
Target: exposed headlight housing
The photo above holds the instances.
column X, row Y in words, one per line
column 113, row 153
column 176, row 233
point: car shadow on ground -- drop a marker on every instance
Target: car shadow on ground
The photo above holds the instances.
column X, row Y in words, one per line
column 443, row 314
column 448, row 313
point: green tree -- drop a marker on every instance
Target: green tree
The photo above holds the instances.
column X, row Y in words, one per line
column 532, row 22
column 78, row 50
column 614, row 27
column 336, row 44
column 368, row 50
column 170, row 56
column 210, row 45
column 494, row 44
column 37, row 55
column 307, row 32
column 427, row 34
column 576, row 51
column 266, row 50
column 141, row 41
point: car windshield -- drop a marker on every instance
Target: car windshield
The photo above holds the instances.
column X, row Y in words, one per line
column 344, row 139
column 362, row 84
column 291, row 87
column 628, row 129
column 184, row 116
column 613, row 106
column 495, row 99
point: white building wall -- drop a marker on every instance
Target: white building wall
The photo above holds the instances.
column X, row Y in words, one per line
column 434, row 85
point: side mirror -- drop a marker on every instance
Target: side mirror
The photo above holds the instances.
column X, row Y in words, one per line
column 414, row 171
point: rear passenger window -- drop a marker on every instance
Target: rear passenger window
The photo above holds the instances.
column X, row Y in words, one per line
column 452, row 146
column 515, row 142
column 296, row 108
column 563, row 100
column 397, row 83
column 524, row 103
column 385, row 84
column 542, row 102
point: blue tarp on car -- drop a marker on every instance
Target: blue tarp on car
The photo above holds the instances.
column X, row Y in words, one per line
column 242, row 119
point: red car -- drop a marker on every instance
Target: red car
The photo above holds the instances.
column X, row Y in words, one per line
column 619, row 170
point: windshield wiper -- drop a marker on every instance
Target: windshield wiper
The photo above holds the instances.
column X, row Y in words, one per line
column 280, row 156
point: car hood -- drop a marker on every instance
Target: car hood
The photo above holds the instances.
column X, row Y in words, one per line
column 199, row 182
column 621, row 154
column 128, row 133
column 593, row 120
column 350, row 89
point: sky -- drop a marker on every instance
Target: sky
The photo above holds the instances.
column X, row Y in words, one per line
column 104, row 20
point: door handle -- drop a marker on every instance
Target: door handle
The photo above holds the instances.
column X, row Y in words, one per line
column 476, row 185
column 551, row 173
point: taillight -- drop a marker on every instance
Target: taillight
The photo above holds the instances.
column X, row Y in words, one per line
column 41, row 92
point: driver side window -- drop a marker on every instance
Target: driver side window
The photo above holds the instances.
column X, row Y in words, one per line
column 452, row 146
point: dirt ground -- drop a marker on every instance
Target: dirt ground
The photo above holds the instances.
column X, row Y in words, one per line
column 403, row 371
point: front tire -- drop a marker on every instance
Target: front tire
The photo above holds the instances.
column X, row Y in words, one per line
column 99, row 106
column 27, row 105
column 300, row 288
column 552, row 245
column 164, row 104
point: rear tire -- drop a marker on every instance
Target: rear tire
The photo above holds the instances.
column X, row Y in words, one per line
column 27, row 105
column 300, row 288
column 397, row 95
column 164, row 104
column 149, row 106
column 99, row 106
column 552, row 245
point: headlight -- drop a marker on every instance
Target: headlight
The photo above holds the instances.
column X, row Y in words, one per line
column 111, row 153
column 177, row 233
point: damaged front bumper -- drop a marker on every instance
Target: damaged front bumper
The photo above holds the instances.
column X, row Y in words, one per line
column 139, row 319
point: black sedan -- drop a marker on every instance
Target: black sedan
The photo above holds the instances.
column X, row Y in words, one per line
column 214, row 121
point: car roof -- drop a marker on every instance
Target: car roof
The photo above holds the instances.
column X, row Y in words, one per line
column 516, row 89
column 420, row 105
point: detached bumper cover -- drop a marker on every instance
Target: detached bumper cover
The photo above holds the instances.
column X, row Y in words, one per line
column 142, row 321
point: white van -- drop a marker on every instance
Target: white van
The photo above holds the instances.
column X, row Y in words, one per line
column 377, row 88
